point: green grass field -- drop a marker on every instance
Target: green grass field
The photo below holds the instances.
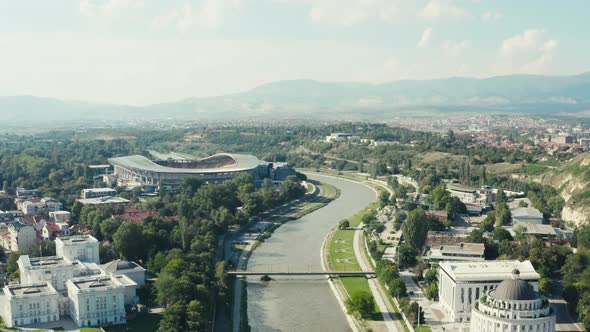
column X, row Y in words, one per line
column 144, row 323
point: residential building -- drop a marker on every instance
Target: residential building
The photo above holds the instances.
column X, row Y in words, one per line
column 27, row 304
column 523, row 215
column 97, row 192
column 513, row 306
column 96, row 301
column 50, row 231
column 60, row 216
column 27, row 193
column 78, row 247
column 35, row 206
column 18, row 236
column 461, row 284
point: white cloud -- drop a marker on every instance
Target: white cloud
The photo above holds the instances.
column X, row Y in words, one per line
column 209, row 15
column 425, row 39
column 527, row 52
column 350, row 12
column 108, row 7
column 455, row 49
column 491, row 16
column 442, row 8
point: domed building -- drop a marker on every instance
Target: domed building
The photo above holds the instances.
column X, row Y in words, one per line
column 513, row 306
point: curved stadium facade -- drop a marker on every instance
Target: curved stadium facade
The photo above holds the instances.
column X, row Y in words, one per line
column 168, row 174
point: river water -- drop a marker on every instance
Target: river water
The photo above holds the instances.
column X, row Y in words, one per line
column 302, row 303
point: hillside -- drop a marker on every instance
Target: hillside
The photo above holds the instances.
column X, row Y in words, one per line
column 301, row 99
column 573, row 181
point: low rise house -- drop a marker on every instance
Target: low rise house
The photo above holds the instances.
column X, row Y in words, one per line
column 50, row 231
column 35, row 206
column 523, row 215
column 463, row 252
column 60, row 216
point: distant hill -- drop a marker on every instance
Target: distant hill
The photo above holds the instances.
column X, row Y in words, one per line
column 304, row 98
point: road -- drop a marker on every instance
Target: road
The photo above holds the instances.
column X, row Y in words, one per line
column 564, row 321
column 390, row 322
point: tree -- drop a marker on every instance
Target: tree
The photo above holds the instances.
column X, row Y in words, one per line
column 545, row 286
column 407, row 255
column 127, row 242
column 361, row 303
column 415, row 229
column 383, row 198
column 476, row 236
column 431, row 291
column 501, row 234
column 397, row 288
column 343, row 224
column 430, row 276
column 174, row 319
column 109, row 227
column 196, row 316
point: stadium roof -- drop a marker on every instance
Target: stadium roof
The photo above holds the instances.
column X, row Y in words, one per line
column 221, row 162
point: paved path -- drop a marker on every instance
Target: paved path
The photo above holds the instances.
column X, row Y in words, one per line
column 388, row 319
column 564, row 321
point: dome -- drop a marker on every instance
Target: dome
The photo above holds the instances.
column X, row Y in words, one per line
column 118, row 265
column 514, row 290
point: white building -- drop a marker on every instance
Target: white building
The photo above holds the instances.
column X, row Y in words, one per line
column 78, row 247
column 60, row 216
column 31, row 207
column 104, row 202
column 27, row 304
column 130, row 269
column 461, row 284
column 98, row 192
column 524, row 215
column 96, row 300
column 468, row 195
column 53, row 269
column 462, row 252
column 513, row 306
column 336, row 137
column 18, row 236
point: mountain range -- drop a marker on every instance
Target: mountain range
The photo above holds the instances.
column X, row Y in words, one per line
column 531, row 94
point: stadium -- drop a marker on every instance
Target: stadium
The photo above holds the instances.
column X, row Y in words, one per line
column 168, row 172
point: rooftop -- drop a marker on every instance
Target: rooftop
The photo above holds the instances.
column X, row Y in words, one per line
column 98, row 190
column 213, row 164
column 539, row 229
column 461, row 188
column 94, row 282
column 76, row 239
column 30, row 289
column 526, row 212
column 121, row 265
column 488, row 270
column 103, row 200
column 514, row 289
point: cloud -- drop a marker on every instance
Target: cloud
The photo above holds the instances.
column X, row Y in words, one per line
column 425, row 39
column 527, row 52
column 209, row 15
column 442, row 8
column 350, row 12
column 491, row 16
column 455, row 49
column 108, row 7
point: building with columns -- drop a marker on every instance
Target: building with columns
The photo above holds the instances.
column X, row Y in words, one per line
column 461, row 284
column 78, row 247
column 28, row 304
column 513, row 306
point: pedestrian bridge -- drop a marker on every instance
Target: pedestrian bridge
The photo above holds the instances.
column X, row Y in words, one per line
column 301, row 273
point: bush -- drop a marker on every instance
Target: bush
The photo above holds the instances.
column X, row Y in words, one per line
column 361, row 303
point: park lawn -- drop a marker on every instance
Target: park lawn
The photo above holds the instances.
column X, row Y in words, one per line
column 90, row 329
column 422, row 328
column 342, row 251
column 143, row 323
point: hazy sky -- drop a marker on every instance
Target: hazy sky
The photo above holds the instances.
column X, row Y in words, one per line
column 148, row 51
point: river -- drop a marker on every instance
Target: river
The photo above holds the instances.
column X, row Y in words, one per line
column 302, row 303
